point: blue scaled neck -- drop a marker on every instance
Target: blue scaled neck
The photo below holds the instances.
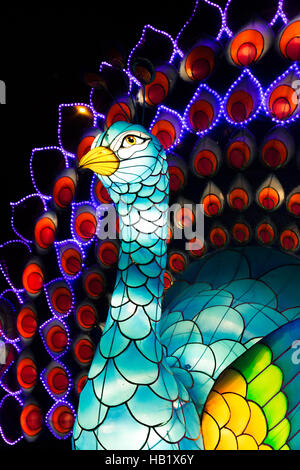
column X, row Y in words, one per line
column 136, row 300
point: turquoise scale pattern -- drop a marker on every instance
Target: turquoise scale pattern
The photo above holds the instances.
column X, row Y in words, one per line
column 152, row 371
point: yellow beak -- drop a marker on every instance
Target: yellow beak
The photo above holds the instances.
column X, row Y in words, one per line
column 100, row 160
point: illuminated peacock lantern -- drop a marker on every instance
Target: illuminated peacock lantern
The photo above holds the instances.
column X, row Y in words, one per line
column 198, row 349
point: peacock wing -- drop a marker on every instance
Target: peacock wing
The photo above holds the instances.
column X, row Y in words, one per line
column 254, row 404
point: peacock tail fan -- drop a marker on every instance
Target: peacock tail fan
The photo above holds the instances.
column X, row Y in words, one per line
column 124, row 329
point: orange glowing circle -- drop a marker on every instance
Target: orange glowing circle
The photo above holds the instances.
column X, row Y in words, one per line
column 31, row 420
column 26, row 373
column 56, row 339
column 44, row 232
column 86, row 316
column 84, row 147
column 33, row 278
column 205, row 163
column 290, row 41
column 247, row 47
column 64, row 191
column 101, row 193
column 177, row 262
column 238, row 199
column 165, row 132
column 265, row 233
column 71, row 261
column 218, row 237
column 241, row 232
column 81, row 383
column 118, row 112
column 211, row 205
column 200, row 63
column 268, row 198
column 168, row 280
column 184, row 217
column 239, row 105
column 238, row 154
column 61, row 299
column 294, row 204
column 58, row 380
column 26, row 322
column 176, row 178
column 108, row 253
column 157, row 90
column 84, row 351
column 282, row 102
column 85, row 225
column 63, row 419
column 201, row 115
column 274, row 153
column 289, row 240
column 94, row 284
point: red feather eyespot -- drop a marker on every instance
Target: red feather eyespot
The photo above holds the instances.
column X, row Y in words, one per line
column 45, row 230
column 274, row 153
column 165, row 132
column 201, row 115
column 56, row 338
column 157, row 90
column 86, row 316
column 26, row 373
column 61, row 298
column 282, row 102
column 241, row 233
column 293, row 203
column 205, row 163
column 211, row 205
column 176, row 178
column 247, row 47
column 177, row 262
column 289, row 240
column 61, row 420
column 57, row 380
column 218, row 237
column 238, row 199
column 85, row 146
column 64, row 189
column 289, row 40
column 120, row 111
column 168, row 280
column 238, row 154
column 268, row 198
column 80, row 383
column 33, row 278
column 27, row 322
column 85, row 223
column 84, row 351
column 101, row 193
column 200, row 63
column 265, row 233
column 107, row 253
column 71, row 261
column 239, row 106
column 94, row 284
column 31, row 420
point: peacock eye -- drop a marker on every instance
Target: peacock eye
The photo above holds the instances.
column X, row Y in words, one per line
column 130, row 140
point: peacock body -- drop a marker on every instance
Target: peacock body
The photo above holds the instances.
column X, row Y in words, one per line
column 192, row 357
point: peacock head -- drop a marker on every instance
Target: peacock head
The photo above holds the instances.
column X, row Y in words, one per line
column 124, row 156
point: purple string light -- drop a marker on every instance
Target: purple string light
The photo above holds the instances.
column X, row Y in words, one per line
column 194, row 99
column 245, row 75
column 15, row 204
column 44, row 327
